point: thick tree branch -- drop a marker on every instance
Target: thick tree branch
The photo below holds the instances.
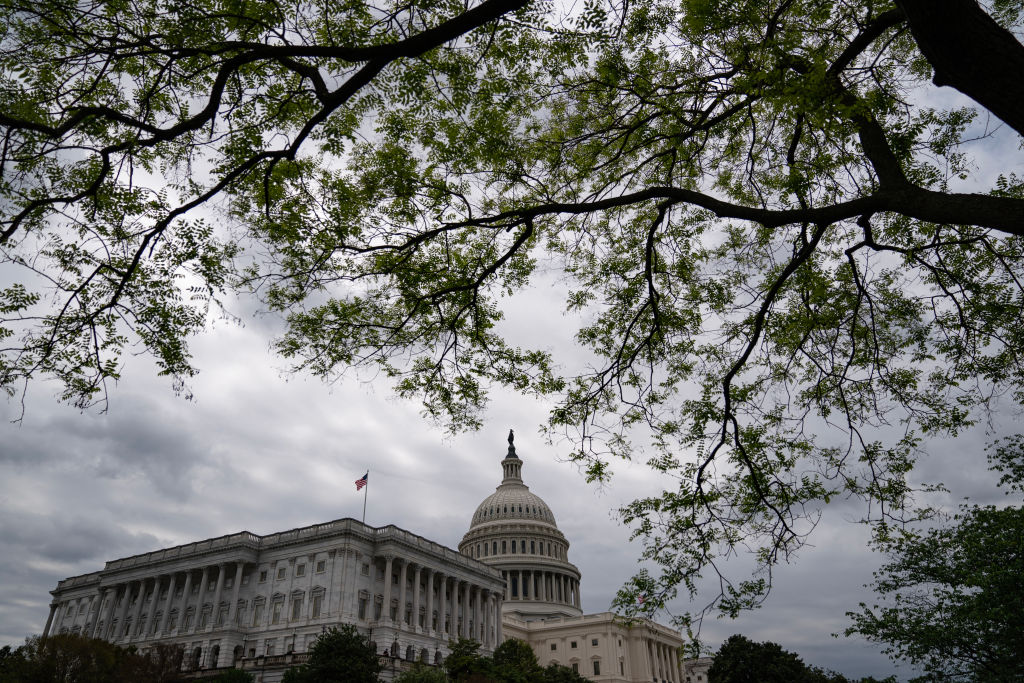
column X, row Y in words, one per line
column 969, row 51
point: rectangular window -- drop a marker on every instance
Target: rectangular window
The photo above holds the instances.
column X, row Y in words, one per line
column 317, row 601
column 263, row 575
column 622, row 668
column 572, row 644
column 229, row 582
column 393, row 612
column 593, row 642
column 280, row 574
column 257, row 613
column 394, row 579
column 365, row 570
column 276, row 615
column 576, row 668
column 554, row 647
column 203, row 616
column 362, row 608
column 187, row 624
column 321, row 565
column 597, row 667
column 296, row 608
column 269, row 649
column 378, row 607
column 300, row 570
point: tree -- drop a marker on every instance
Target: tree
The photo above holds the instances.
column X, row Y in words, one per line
column 421, row 673
column 740, row 660
column 465, row 664
column 68, row 657
column 233, row 676
column 953, row 593
column 556, row 673
column 515, row 662
column 788, row 272
column 341, row 655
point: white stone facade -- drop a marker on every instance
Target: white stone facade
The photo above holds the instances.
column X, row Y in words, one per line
column 604, row 648
column 238, row 598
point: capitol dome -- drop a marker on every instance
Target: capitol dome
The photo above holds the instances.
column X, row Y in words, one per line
column 515, row 531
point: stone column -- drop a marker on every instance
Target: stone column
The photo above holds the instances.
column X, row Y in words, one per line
column 217, row 593
column 203, row 580
column 465, row 612
column 402, row 578
column 112, row 595
column 484, row 603
column 499, row 636
column 138, row 608
column 99, row 612
column 151, row 614
column 441, row 590
column 429, row 580
column 49, row 619
column 386, row 611
column 235, row 588
column 347, row 578
column 167, row 603
column 478, row 625
column 415, row 625
column 183, row 607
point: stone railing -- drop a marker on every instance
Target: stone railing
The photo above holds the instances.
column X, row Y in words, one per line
column 243, row 539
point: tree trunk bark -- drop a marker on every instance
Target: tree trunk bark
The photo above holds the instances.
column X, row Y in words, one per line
column 971, row 52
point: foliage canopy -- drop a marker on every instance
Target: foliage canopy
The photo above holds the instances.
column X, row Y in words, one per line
column 340, row 655
column 785, row 261
column 953, row 594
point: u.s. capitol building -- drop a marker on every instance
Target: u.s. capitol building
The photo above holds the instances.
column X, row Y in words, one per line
column 258, row 602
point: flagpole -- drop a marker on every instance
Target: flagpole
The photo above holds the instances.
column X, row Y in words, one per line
column 365, row 493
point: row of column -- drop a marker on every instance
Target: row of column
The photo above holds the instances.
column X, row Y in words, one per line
column 475, row 611
column 545, row 586
column 104, row 607
column 665, row 665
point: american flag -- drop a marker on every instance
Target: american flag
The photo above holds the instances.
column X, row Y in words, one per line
column 361, row 481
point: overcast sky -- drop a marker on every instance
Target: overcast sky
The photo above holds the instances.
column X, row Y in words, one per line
column 261, row 450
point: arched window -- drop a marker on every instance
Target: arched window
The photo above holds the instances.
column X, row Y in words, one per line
column 504, row 549
column 513, row 547
column 533, row 547
column 494, row 548
column 410, row 653
column 477, row 550
column 437, row 657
